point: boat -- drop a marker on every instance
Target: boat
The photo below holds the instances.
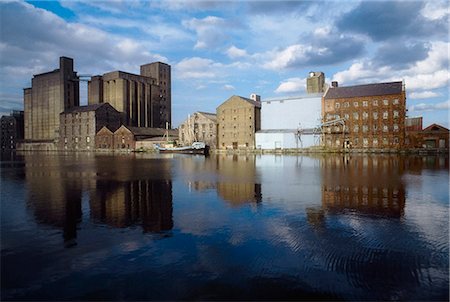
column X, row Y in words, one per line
column 171, row 147
column 195, row 148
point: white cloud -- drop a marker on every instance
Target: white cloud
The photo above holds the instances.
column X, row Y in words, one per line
column 234, row 52
column 292, row 85
column 197, row 68
column 435, row 10
column 430, row 73
column 430, row 107
column 228, row 87
column 288, row 56
column 423, row 95
column 210, row 31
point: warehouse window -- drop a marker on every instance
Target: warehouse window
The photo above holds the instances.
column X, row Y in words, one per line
column 385, row 102
column 375, row 102
column 375, row 115
column 385, row 115
column 395, row 113
column 395, row 102
column 355, row 104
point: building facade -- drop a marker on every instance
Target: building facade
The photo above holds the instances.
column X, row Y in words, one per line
column 127, row 138
column 12, row 130
column 50, row 94
column 435, row 137
column 238, row 119
column 79, row 125
column 290, row 122
column 364, row 116
column 144, row 100
column 200, row 126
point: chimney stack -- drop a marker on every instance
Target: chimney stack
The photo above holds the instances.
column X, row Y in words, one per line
column 334, row 84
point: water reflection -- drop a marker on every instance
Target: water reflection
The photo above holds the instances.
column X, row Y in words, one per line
column 359, row 227
column 55, row 185
column 364, row 184
column 123, row 204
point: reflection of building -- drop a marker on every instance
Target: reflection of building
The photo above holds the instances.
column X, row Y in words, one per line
column 201, row 126
column 50, row 94
column 144, row 100
column 79, row 125
column 238, row 119
column 144, row 202
column 55, row 199
column 364, row 116
column 237, row 183
column 11, row 130
column 366, row 184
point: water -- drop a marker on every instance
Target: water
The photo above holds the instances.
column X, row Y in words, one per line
column 166, row 227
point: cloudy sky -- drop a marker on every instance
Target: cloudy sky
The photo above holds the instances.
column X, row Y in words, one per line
column 221, row 48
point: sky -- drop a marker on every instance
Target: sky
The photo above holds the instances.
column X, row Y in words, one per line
column 222, row 48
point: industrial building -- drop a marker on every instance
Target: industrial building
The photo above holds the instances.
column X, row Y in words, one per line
column 364, row 116
column 238, row 118
column 315, row 83
column 144, row 100
column 12, row 127
column 79, row 125
column 290, row 123
column 50, row 94
column 200, row 126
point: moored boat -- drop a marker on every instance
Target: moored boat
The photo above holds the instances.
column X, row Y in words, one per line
column 195, row 148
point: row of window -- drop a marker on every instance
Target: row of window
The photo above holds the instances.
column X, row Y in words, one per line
column 365, row 115
column 76, row 139
column 365, row 128
column 366, row 141
column 384, row 102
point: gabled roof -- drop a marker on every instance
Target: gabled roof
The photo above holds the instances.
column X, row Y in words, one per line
column 211, row 116
column 150, row 132
column 436, row 127
column 252, row 102
column 364, row 90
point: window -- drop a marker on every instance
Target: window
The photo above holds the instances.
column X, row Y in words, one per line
column 88, row 139
column 395, row 113
column 365, row 115
column 355, row 104
column 346, row 104
column 385, row 102
column 375, row 115
column 365, row 142
column 365, row 128
column 337, row 128
column 396, row 140
column 375, row 102
column 375, row 142
column 395, row 128
column 76, row 139
column 355, row 141
column 375, row 127
column 395, row 102
column 365, row 103
column 355, row 128
column 337, row 105
column 385, row 128
column 346, row 116
column 385, row 115
column 355, row 115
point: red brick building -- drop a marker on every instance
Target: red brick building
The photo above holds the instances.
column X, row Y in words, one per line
column 364, row 116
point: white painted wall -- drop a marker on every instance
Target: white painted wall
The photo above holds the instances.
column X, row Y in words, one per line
column 283, row 140
column 288, row 113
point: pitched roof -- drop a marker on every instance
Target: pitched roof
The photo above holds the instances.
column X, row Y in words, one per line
column 143, row 131
column 435, row 127
column 211, row 116
column 84, row 108
column 364, row 90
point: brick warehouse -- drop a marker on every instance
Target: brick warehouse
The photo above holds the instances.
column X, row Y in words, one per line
column 364, row 116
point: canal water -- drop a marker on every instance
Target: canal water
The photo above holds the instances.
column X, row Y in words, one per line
column 231, row 227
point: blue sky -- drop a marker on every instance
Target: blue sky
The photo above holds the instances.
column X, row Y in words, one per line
column 221, row 48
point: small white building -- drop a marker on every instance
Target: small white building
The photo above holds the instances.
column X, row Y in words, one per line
column 290, row 123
